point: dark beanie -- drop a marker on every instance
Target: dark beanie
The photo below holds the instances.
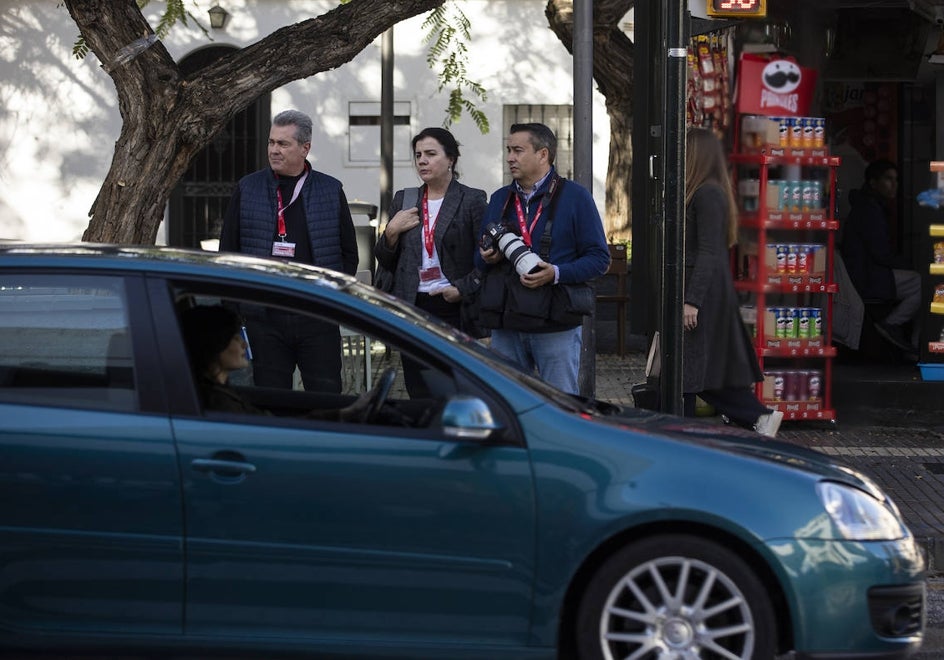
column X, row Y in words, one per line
column 208, row 329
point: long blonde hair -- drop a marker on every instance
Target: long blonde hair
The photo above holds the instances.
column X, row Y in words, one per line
column 705, row 162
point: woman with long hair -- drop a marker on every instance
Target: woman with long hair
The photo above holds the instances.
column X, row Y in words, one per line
column 719, row 363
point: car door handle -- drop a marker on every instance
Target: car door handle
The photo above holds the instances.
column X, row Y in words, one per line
column 225, row 468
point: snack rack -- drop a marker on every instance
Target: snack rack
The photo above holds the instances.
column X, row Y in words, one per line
column 932, row 347
column 783, row 264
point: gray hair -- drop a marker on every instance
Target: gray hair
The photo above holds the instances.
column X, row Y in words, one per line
column 299, row 120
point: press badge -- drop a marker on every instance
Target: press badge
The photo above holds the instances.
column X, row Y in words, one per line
column 430, row 274
column 282, row 249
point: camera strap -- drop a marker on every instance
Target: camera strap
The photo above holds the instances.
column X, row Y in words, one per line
column 544, row 250
column 546, row 199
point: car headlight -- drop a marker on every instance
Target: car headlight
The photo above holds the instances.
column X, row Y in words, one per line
column 858, row 515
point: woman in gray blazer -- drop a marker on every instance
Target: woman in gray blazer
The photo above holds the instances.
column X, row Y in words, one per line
column 430, row 241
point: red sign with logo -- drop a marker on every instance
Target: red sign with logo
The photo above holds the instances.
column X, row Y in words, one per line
column 774, row 86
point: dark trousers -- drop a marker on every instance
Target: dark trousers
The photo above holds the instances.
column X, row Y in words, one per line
column 739, row 404
column 280, row 341
column 436, row 306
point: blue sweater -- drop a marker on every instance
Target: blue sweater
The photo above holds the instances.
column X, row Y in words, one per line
column 578, row 243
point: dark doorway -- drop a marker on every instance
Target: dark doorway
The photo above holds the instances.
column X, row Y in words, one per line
column 199, row 201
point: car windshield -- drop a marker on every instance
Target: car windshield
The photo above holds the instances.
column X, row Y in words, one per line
column 467, row 343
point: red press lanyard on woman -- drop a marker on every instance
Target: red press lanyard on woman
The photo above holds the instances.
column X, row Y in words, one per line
column 523, row 221
column 282, row 207
column 428, row 228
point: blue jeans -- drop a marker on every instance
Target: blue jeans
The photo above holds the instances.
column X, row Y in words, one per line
column 555, row 355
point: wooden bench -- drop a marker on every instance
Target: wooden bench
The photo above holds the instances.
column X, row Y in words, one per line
column 619, row 268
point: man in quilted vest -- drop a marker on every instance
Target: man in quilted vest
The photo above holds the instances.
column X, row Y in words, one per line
column 293, row 212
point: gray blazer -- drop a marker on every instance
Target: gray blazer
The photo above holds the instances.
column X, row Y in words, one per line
column 456, row 238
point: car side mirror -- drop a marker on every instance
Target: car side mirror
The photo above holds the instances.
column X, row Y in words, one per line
column 468, row 418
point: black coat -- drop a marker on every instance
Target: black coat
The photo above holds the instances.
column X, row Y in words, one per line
column 866, row 247
column 456, row 236
column 718, row 353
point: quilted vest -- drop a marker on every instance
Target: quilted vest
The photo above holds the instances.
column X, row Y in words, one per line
column 321, row 195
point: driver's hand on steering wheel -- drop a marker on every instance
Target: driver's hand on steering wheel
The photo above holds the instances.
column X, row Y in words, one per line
column 357, row 410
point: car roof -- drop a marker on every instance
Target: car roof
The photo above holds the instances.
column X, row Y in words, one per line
column 164, row 259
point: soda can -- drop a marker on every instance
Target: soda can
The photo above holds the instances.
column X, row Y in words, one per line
column 807, row 128
column 819, row 132
column 781, row 254
column 816, row 322
column 791, row 258
column 804, row 323
column 814, row 387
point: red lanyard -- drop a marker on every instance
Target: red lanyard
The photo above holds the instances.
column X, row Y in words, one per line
column 281, row 209
column 282, row 231
column 522, row 220
column 428, row 229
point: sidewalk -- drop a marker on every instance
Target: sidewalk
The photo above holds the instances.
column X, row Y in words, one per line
column 896, row 440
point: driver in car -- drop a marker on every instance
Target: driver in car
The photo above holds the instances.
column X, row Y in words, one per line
column 214, row 339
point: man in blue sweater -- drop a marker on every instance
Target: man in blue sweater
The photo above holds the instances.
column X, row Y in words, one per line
column 535, row 310
column 293, row 212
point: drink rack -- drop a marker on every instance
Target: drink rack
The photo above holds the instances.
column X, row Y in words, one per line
column 792, row 362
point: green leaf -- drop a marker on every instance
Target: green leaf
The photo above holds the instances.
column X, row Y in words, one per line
column 447, row 31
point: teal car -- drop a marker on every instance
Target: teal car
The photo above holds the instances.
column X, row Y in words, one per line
column 492, row 517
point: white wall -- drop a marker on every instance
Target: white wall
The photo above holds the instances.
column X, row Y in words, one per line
column 59, row 117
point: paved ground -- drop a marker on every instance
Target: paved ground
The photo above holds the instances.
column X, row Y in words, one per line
column 901, row 447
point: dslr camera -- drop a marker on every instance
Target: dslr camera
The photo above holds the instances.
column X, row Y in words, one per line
column 510, row 244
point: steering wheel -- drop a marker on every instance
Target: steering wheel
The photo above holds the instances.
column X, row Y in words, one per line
column 379, row 393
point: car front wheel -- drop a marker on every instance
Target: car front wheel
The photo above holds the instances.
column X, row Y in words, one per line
column 675, row 598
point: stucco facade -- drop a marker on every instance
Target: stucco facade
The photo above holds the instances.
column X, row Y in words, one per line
column 59, row 117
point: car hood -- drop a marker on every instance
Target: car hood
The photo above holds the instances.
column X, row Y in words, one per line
column 736, row 440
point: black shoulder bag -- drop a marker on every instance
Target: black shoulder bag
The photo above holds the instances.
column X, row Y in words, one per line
column 383, row 278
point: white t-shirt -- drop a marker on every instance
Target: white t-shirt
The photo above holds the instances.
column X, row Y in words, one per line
column 432, row 261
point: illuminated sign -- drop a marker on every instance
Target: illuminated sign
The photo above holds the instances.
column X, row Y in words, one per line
column 737, row 8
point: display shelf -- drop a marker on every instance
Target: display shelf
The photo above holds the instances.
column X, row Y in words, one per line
column 788, row 284
column 931, row 355
column 778, row 222
column 789, row 220
column 802, row 410
column 771, row 155
column 790, row 348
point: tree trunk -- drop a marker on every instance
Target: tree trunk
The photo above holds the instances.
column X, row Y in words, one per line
column 613, row 72
column 167, row 119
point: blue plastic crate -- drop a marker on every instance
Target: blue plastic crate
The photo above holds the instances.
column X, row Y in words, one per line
column 931, row 371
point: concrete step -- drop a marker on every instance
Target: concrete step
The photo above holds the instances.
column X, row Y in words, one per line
column 879, row 393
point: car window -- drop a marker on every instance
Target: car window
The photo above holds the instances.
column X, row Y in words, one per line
column 359, row 357
column 64, row 341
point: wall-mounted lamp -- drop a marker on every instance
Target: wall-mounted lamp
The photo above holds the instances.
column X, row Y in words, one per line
column 218, row 17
